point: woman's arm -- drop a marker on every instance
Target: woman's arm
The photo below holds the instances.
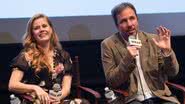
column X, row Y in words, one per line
column 15, row 85
column 66, row 86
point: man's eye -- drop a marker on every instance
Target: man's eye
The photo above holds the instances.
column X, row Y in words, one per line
column 122, row 21
column 132, row 18
column 44, row 25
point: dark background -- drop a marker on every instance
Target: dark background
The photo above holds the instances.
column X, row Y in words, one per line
column 90, row 63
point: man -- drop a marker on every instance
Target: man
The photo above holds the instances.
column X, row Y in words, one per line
column 141, row 69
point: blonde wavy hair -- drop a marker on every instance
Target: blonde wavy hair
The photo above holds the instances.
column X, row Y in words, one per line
column 31, row 48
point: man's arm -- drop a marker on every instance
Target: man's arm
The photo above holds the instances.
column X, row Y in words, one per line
column 116, row 73
column 170, row 65
column 163, row 41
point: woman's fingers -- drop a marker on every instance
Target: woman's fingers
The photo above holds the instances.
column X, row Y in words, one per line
column 55, row 100
column 43, row 96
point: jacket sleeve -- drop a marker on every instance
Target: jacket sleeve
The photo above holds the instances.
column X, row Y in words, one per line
column 170, row 64
column 116, row 73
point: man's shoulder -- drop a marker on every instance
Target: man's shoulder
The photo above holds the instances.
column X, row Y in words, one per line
column 110, row 38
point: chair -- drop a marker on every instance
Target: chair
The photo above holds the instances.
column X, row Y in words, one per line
column 77, row 85
column 171, row 85
column 178, row 87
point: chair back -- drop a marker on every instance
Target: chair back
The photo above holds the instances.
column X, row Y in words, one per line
column 76, row 77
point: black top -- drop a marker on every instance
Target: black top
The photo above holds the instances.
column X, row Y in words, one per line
column 43, row 77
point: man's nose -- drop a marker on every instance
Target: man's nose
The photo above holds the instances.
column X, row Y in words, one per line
column 129, row 23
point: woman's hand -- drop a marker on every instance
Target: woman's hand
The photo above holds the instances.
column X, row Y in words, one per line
column 42, row 95
column 54, row 100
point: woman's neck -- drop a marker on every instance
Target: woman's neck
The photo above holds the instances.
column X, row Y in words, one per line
column 45, row 47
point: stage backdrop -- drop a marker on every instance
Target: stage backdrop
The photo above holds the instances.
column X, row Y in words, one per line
column 87, row 20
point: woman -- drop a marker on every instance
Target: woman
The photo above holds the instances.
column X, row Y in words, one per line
column 42, row 64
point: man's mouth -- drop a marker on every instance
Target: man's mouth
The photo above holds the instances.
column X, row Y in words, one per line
column 131, row 31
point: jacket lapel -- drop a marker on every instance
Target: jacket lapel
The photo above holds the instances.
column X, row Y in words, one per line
column 144, row 52
column 120, row 45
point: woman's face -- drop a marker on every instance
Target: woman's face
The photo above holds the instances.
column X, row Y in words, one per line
column 41, row 30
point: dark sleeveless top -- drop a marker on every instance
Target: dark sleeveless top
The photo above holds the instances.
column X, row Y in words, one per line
column 30, row 77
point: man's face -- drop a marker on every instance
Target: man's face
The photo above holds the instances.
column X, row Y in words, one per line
column 127, row 22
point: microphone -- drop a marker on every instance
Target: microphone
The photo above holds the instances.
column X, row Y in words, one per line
column 56, row 87
column 56, row 90
column 134, row 41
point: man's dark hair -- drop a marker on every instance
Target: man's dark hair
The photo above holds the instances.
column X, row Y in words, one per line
column 118, row 8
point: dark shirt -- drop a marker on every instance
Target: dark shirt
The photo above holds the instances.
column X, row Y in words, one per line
column 44, row 75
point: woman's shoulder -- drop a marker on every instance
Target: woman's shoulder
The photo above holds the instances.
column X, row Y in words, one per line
column 20, row 56
column 62, row 52
column 20, row 61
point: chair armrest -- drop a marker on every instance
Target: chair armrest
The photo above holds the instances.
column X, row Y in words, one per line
column 179, row 87
column 122, row 92
column 176, row 86
column 28, row 97
column 94, row 93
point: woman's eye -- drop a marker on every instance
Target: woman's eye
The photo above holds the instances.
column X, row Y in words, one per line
column 35, row 28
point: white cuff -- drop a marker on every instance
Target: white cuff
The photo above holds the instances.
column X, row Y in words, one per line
column 166, row 55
